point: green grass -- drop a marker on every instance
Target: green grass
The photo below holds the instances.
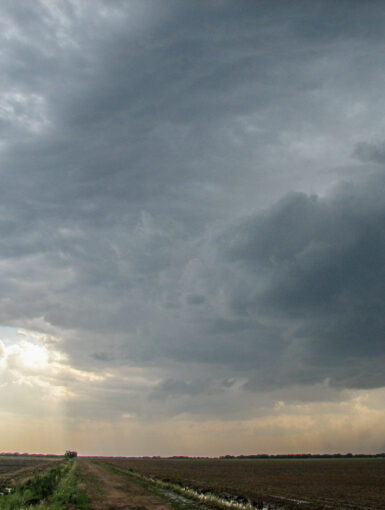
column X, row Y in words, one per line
column 55, row 489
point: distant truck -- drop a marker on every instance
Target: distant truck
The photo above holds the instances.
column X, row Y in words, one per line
column 70, row 454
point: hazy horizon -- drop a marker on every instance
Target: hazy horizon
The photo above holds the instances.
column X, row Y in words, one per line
column 192, row 228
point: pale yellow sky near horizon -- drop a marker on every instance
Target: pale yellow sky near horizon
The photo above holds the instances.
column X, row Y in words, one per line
column 38, row 381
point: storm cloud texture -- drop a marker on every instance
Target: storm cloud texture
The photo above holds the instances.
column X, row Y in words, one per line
column 192, row 208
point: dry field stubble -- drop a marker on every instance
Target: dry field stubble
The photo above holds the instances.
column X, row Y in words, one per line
column 334, row 483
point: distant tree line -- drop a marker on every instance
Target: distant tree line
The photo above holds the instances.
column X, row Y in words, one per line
column 68, row 454
column 304, row 456
column 269, row 456
column 18, row 454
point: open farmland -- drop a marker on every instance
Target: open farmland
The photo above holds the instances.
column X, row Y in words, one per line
column 193, row 484
column 321, row 483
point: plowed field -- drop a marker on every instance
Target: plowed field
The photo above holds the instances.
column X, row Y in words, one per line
column 323, row 483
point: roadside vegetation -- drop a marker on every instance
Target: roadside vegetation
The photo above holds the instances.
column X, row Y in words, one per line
column 55, row 489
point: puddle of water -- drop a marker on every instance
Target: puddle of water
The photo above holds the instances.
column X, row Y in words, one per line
column 181, row 500
column 212, row 499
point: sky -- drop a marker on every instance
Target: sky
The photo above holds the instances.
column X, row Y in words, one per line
column 192, row 226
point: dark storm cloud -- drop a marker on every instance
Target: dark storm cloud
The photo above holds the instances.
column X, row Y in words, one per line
column 370, row 152
column 136, row 137
column 172, row 387
column 321, row 266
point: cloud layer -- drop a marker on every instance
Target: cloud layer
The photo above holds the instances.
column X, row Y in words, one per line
column 192, row 201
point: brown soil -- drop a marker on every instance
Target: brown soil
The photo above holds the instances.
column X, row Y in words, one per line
column 334, row 483
column 112, row 491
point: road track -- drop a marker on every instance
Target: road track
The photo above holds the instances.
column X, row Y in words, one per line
column 108, row 490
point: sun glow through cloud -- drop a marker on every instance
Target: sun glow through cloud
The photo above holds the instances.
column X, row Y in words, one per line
column 34, row 361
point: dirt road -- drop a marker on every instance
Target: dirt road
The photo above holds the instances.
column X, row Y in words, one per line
column 113, row 491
